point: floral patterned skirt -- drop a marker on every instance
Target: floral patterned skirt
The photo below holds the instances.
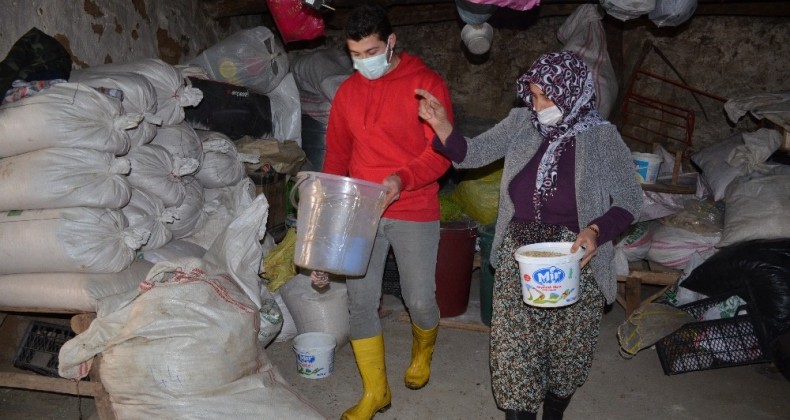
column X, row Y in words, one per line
column 538, row 350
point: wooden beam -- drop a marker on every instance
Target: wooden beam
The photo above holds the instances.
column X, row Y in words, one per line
column 45, row 383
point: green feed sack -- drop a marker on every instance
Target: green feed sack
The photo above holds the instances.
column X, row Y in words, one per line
column 478, row 193
column 278, row 264
column 450, row 210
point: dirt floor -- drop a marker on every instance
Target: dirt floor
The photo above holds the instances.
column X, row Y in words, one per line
column 617, row 389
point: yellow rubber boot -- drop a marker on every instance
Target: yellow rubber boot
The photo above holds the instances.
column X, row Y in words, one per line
column 419, row 370
column 376, row 397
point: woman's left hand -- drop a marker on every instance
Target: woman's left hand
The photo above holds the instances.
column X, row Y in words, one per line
column 588, row 239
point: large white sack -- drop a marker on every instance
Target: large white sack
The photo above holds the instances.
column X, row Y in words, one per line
column 146, row 211
column 757, row 208
column 181, row 141
column 155, row 171
column 69, row 291
column 188, row 217
column 77, row 239
column 139, row 97
column 173, row 250
column 583, row 33
column 58, row 177
column 674, row 246
column 313, row 311
column 220, row 207
column 202, row 360
column 65, row 115
column 172, row 92
column 223, row 165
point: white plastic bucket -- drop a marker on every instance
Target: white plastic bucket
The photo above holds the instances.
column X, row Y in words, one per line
column 646, row 165
column 337, row 219
column 315, row 354
column 549, row 281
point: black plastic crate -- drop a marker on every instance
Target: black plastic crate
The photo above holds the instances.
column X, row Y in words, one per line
column 40, row 347
column 713, row 344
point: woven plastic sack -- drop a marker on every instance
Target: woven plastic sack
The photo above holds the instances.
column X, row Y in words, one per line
column 252, row 58
column 295, row 21
column 79, row 292
column 139, row 97
column 77, row 239
column 65, row 115
column 172, row 92
column 583, row 33
column 182, row 142
column 223, row 165
column 220, row 206
column 154, row 170
column 648, row 324
column 757, row 209
column 324, row 310
column 188, row 217
column 672, row 12
column 146, row 211
column 59, row 177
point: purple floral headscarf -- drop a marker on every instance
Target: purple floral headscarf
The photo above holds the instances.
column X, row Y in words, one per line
column 568, row 82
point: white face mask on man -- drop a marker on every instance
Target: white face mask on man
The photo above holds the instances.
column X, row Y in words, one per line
column 550, row 116
column 374, row 67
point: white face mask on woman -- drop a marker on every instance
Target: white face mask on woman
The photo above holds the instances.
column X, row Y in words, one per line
column 550, row 116
column 374, row 67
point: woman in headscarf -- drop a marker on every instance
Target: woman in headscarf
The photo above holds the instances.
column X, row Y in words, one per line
column 568, row 177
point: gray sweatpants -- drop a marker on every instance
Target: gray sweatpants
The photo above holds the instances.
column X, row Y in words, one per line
column 415, row 245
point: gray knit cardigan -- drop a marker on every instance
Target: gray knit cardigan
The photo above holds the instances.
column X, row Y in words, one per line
column 604, row 178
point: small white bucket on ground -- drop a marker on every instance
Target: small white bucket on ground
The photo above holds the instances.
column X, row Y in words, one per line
column 315, row 354
column 646, row 165
column 549, row 273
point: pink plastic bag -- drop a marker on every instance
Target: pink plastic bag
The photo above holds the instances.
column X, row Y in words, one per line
column 295, row 21
column 510, row 4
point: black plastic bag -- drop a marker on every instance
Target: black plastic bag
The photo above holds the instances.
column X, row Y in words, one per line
column 35, row 56
column 758, row 271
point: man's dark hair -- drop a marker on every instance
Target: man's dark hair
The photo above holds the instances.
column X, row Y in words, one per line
column 366, row 20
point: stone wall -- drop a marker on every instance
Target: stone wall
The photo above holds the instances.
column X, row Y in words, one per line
column 726, row 56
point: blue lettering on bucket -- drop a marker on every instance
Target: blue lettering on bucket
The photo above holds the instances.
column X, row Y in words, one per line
column 305, row 358
column 548, row 275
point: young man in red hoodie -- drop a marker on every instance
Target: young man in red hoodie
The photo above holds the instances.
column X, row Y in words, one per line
column 375, row 134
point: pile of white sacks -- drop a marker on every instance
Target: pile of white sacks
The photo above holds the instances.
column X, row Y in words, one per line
column 95, row 189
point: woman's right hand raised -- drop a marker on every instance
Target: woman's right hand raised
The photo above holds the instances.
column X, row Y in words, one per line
column 433, row 112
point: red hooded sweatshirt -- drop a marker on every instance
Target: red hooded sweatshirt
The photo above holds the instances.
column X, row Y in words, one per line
column 375, row 131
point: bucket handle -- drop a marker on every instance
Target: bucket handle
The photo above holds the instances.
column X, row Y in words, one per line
column 299, row 179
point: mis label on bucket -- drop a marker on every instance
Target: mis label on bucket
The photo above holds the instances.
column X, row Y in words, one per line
column 548, row 275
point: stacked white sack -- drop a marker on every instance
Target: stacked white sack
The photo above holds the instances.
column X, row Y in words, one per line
column 182, row 142
column 65, row 115
column 154, row 170
column 220, row 207
column 139, row 97
column 189, row 216
column 146, row 211
column 68, row 240
column 57, row 177
column 172, row 92
column 223, row 165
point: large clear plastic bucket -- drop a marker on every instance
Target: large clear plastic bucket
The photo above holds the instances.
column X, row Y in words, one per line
column 337, row 219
